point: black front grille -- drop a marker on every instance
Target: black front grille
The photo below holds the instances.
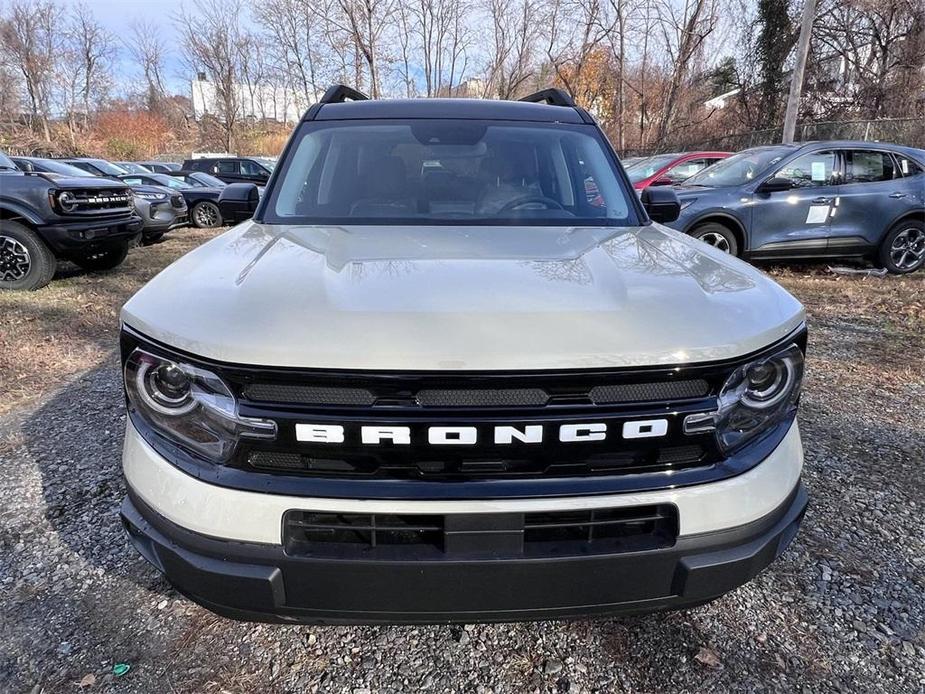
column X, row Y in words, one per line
column 90, row 201
column 548, row 533
column 484, row 397
column 452, row 466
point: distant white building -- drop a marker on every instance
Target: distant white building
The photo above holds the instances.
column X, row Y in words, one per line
column 257, row 102
column 721, row 101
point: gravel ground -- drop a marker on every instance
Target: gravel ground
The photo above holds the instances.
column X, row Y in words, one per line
column 842, row 610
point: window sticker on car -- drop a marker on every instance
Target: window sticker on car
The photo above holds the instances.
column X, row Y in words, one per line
column 818, row 171
column 817, row 213
column 904, row 165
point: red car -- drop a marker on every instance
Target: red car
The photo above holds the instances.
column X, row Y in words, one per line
column 670, row 169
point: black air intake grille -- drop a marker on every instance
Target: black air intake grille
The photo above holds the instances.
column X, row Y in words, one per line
column 415, row 537
column 308, row 395
column 649, row 392
column 519, row 397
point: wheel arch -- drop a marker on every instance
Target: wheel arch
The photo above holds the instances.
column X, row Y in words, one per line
column 13, row 212
column 727, row 220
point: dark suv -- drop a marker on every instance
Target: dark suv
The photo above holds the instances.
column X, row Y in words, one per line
column 231, row 169
column 88, row 221
column 819, row 199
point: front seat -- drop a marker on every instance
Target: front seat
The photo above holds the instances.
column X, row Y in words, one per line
column 384, row 191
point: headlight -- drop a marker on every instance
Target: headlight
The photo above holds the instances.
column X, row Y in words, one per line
column 151, row 196
column 191, row 407
column 67, row 201
column 755, row 397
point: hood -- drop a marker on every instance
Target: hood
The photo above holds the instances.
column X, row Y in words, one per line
column 148, row 188
column 466, row 298
column 63, row 182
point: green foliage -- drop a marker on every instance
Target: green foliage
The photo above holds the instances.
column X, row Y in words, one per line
column 776, row 39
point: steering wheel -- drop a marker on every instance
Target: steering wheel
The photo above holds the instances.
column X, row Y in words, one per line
column 527, row 199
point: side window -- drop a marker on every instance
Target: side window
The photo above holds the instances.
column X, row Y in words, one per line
column 132, row 181
column 227, row 167
column 908, row 167
column 810, row 170
column 249, row 168
column 869, row 167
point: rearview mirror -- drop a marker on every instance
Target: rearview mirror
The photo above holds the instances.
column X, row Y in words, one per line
column 661, row 203
column 238, row 202
column 775, row 184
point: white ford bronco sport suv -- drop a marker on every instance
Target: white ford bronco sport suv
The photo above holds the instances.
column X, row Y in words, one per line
column 455, row 370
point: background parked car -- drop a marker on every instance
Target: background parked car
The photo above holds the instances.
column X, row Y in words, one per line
column 160, row 208
column 97, row 167
column 198, row 179
column 819, row 199
column 231, row 169
column 50, row 216
column 670, row 169
column 132, row 167
column 160, row 166
column 201, row 201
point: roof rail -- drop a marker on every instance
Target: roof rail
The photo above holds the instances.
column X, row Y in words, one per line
column 551, row 96
column 338, row 93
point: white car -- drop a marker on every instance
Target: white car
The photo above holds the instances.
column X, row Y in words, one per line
column 466, row 392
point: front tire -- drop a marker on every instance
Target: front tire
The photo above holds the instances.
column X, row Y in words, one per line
column 717, row 235
column 206, row 215
column 26, row 263
column 903, row 248
column 104, row 259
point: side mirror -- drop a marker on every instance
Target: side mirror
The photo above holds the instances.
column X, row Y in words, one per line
column 238, row 202
column 775, row 185
column 661, row 204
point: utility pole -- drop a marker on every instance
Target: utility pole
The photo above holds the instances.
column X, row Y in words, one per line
column 796, row 81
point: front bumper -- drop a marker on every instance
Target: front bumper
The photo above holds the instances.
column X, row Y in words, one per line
column 67, row 237
column 223, row 548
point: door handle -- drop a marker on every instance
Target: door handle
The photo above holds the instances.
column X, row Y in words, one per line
column 897, row 195
column 821, row 201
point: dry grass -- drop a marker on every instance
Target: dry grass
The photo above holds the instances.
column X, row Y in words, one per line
column 70, row 326
column 49, row 336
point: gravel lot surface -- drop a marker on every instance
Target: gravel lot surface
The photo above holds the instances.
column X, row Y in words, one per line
column 842, row 610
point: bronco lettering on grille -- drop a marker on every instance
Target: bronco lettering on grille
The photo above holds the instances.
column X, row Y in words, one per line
column 469, row 435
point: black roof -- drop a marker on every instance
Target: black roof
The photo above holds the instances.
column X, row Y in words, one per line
column 469, row 109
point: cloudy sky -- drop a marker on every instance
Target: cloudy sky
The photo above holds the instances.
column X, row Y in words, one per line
column 119, row 15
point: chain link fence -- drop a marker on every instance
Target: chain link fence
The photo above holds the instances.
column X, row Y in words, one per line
column 902, row 131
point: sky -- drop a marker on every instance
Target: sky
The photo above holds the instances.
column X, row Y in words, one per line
column 118, row 16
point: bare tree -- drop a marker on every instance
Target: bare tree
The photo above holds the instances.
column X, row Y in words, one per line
column 514, row 30
column 148, row 49
column 211, row 43
column 362, row 23
column 31, row 39
column 684, row 30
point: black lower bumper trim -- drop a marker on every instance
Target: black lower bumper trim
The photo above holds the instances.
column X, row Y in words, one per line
column 262, row 583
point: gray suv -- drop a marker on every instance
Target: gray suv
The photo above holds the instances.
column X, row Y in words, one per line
column 813, row 200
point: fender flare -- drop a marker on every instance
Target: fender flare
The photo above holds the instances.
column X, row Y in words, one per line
column 19, row 210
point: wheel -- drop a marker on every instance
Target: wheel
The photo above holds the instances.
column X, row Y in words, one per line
column 717, row 235
column 103, row 259
column 206, row 215
column 903, row 248
column 26, row 263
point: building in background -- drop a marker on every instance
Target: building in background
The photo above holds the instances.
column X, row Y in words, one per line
column 259, row 102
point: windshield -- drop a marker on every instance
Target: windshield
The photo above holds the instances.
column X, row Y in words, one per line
column 59, row 167
column 169, row 181
column 649, row 166
column 6, row 162
column 132, row 167
column 739, row 168
column 107, row 167
column 449, row 171
column 204, row 180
